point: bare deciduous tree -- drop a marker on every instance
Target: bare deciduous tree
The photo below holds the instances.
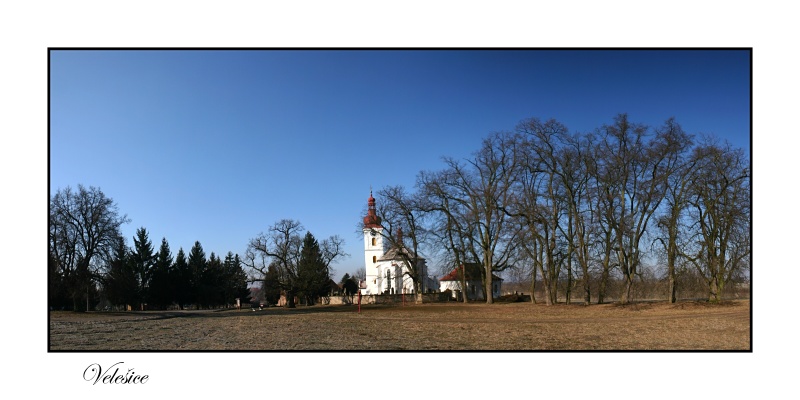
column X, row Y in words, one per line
column 450, row 225
column 675, row 144
column 638, row 168
column 483, row 188
column 401, row 217
column 84, row 228
column 720, row 212
column 539, row 202
column 280, row 247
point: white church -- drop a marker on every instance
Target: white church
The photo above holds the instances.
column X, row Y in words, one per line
column 386, row 271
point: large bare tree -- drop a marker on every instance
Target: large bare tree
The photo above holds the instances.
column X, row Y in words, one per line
column 280, row 247
column 84, row 228
column 539, row 204
column 483, row 187
column 637, row 168
column 675, row 143
column 720, row 211
column 450, row 228
column 575, row 161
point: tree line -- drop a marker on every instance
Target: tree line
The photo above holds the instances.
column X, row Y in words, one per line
column 89, row 262
column 578, row 211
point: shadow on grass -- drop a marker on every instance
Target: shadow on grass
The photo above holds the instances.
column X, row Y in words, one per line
column 244, row 312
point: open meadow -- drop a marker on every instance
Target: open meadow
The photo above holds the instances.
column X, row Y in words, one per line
column 685, row 325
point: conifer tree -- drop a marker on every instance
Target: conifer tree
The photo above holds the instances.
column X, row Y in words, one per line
column 211, row 283
column 234, row 280
column 311, row 270
column 120, row 282
column 142, row 259
column 197, row 264
column 161, row 285
column 181, row 277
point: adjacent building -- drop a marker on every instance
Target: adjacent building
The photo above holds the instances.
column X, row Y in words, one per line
column 471, row 285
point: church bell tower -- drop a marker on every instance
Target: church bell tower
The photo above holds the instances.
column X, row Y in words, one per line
column 373, row 241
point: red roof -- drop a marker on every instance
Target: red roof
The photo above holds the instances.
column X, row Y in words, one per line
column 372, row 220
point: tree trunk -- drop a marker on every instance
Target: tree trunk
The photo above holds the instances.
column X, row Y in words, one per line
column 672, row 256
column 569, row 281
column 672, row 287
column 487, row 283
column 601, row 290
column 463, row 285
column 715, row 290
column 488, row 289
column 587, row 288
column 290, row 299
column 548, row 297
column 672, row 290
column 626, row 295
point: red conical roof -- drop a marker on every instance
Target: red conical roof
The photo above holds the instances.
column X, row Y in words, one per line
column 372, row 220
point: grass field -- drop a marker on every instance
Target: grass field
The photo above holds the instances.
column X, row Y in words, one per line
column 438, row 326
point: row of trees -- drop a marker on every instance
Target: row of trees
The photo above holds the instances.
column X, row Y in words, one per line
column 140, row 276
column 88, row 260
column 579, row 208
column 285, row 262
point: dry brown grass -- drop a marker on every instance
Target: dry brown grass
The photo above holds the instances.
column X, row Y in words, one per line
column 446, row 326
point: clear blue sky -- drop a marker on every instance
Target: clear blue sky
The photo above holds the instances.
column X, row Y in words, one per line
column 216, row 146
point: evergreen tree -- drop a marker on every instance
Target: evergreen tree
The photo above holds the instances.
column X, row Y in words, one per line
column 162, row 292
column 120, row 283
column 197, row 264
column 181, row 278
column 142, row 259
column 312, row 272
column 349, row 285
column 211, row 282
column 235, row 280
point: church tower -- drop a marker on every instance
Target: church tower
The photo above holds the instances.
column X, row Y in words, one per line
column 373, row 246
column 373, row 241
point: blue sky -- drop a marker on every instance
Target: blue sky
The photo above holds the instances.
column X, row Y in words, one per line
column 216, row 146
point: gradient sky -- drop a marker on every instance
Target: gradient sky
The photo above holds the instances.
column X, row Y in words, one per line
column 216, row 146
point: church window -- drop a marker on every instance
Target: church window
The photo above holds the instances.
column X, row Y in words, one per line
column 374, row 259
column 374, row 241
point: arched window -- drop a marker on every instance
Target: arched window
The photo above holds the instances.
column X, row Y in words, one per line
column 374, row 259
column 374, row 241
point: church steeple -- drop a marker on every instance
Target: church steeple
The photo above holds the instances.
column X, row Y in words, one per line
column 372, row 220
